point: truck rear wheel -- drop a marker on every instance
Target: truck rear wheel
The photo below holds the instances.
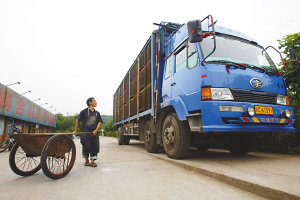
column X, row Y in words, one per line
column 241, row 143
column 176, row 137
column 150, row 139
column 120, row 136
column 126, row 140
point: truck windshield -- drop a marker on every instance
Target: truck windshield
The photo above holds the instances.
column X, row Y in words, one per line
column 233, row 50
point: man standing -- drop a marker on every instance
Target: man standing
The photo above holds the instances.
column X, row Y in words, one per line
column 91, row 122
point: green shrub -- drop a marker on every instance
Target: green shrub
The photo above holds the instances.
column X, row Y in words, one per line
column 111, row 133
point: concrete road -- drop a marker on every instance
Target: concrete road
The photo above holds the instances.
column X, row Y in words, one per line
column 273, row 176
column 123, row 172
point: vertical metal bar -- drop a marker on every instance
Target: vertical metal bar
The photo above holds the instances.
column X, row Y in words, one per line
column 154, row 93
column 138, row 89
column 152, row 68
column 114, row 112
column 129, row 94
column 158, row 46
column 123, row 99
column 119, row 105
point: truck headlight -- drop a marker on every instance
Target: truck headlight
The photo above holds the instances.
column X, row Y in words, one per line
column 221, row 94
column 286, row 113
column 283, row 100
column 251, row 111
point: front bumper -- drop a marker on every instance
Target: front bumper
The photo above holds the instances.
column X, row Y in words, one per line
column 215, row 120
column 267, row 120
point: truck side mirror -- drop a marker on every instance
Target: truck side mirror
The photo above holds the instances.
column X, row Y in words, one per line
column 194, row 31
column 293, row 56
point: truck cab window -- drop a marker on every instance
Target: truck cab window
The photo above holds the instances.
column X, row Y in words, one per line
column 168, row 67
column 180, row 59
column 192, row 55
column 233, row 50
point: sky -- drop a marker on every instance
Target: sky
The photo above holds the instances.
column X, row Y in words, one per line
column 65, row 51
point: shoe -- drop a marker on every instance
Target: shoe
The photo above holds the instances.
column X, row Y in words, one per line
column 87, row 164
column 93, row 164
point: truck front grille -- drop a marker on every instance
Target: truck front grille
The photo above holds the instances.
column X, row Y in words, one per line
column 254, row 96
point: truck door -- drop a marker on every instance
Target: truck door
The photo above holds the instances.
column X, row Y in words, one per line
column 185, row 79
column 166, row 88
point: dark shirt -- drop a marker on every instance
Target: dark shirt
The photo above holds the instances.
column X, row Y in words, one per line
column 85, row 113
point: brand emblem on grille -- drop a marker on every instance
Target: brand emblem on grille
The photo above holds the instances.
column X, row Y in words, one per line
column 256, row 83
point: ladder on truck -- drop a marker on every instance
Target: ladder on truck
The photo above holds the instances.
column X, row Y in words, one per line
column 157, row 55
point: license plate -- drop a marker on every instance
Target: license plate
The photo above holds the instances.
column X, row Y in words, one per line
column 264, row 110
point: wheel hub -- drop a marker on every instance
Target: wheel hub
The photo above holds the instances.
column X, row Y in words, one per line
column 147, row 135
column 59, row 155
column 169, row 137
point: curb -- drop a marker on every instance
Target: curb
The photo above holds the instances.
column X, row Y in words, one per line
column 238, row 183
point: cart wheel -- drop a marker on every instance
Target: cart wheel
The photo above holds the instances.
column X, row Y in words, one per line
column 4, row 145
column 21, row 164
column 58, row 156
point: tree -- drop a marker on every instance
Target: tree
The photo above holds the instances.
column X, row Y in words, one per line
column 108, row 126
column 293, row 75
column 65, row 124
column 292, row 78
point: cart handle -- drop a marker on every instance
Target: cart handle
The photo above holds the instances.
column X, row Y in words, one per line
column 80, row 133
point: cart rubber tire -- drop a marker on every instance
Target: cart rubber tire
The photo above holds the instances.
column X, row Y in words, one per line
column 150, row 139
column 120, row 136
column 58, row 156
column 176, row 137
column 4, row 145
column 22, row 165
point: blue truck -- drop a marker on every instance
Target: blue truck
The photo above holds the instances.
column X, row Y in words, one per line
column 199, row 85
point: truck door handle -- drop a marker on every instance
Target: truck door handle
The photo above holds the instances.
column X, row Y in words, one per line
column 173, row 84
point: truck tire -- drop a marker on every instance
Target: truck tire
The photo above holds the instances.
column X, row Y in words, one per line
column 120, row 136
column 176, row 137
column 241, row 143
column 126, row 140
column 150, row 139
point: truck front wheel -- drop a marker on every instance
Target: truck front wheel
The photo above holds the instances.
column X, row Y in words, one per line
column 176, row 137
column 150, row 139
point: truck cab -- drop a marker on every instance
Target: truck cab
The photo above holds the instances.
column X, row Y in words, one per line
column 226, row 86
column 237, row 79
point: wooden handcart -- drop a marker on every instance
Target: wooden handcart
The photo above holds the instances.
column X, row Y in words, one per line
column 55, row 153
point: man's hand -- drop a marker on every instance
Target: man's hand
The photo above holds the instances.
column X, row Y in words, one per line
column 95, row 133
column 75, row 131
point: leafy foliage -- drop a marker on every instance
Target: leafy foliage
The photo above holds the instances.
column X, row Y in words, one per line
column 293, row 75
column 66, row 124
column 109, row 130
column 108, row 126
